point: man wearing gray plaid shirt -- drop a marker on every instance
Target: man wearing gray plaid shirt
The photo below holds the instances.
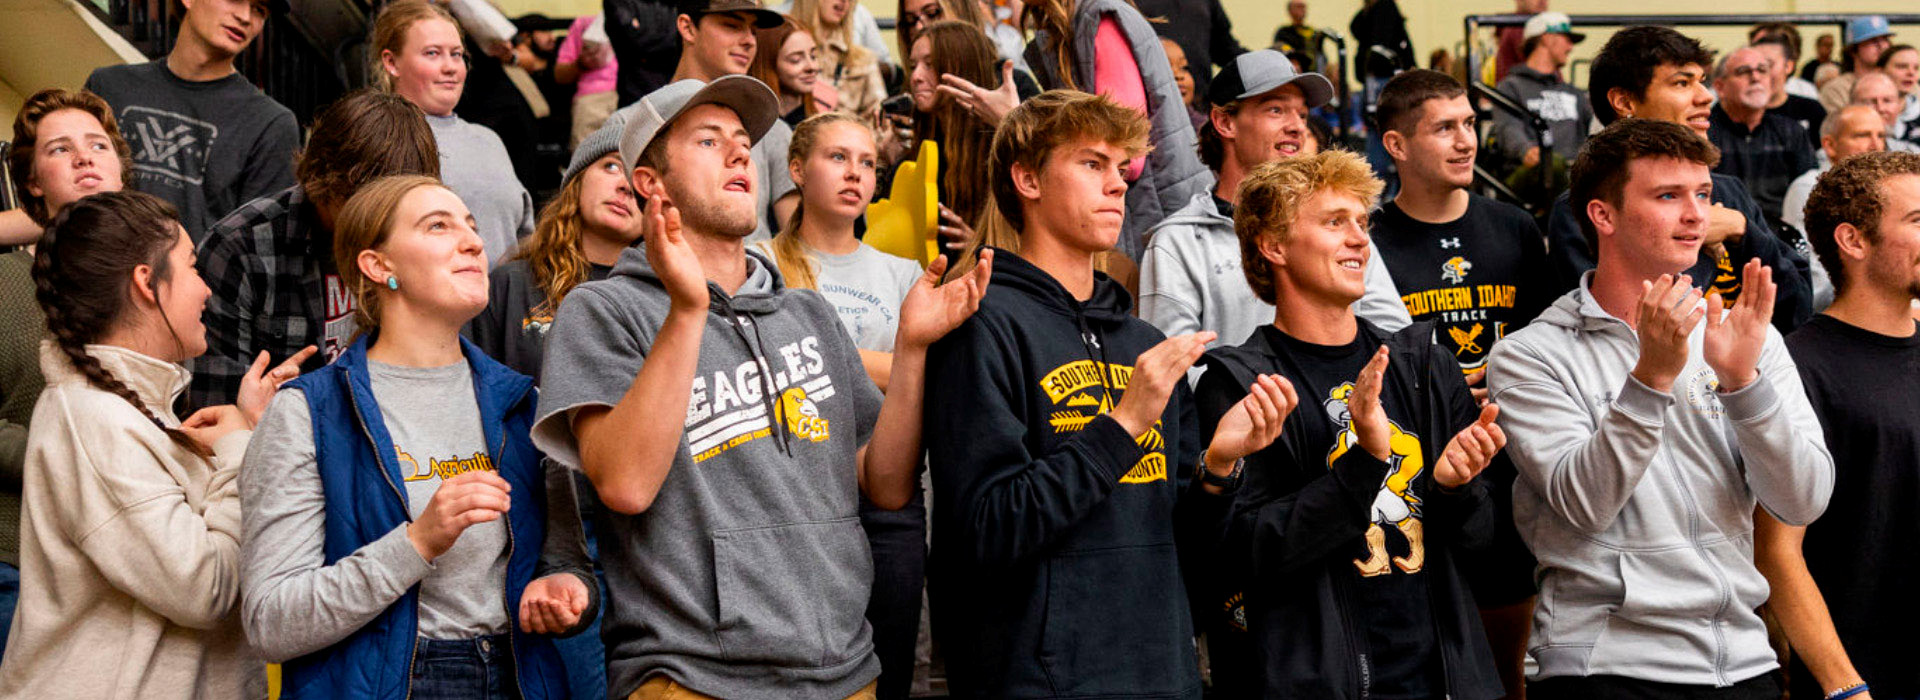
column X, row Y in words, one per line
column 270, row 262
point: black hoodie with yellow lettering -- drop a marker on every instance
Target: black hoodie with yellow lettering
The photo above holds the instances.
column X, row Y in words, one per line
column 1054, row 568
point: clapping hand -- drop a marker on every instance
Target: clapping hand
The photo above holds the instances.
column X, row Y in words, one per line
column 932, row 309
column 1252, row 424
column 672, row 257
column 1470, row 451
column 1734, row 339
column 1370, row 425
column 1668, row 311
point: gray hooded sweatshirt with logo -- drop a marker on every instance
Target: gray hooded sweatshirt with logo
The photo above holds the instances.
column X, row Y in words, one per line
column 1639, row 503
column 748, row 576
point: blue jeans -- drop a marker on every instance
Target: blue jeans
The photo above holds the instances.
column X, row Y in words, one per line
column 9, row 598
column 464, row 669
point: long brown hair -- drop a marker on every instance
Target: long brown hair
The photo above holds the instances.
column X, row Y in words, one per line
column 390, row 32
column 364, row 224
column 83, row 269
column 554, row 253
column 960, row 49
column 363, row 137
column 967, row 11
column 26, row 134
column 789, row 252
column 766, row 58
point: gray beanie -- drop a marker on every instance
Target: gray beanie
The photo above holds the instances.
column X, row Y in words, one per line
column 596, row 145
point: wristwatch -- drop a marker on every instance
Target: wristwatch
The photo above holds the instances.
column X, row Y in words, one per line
column 1229, row 482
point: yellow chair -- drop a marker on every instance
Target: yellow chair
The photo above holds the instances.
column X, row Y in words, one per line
column 907, row 222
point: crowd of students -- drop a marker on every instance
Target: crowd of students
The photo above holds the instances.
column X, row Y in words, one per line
column 1187, row 405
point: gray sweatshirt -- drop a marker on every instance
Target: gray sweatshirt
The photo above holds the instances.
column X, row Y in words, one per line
column 748, row 576
column 1191, row 280
column 475, row 165
column 1639, row 504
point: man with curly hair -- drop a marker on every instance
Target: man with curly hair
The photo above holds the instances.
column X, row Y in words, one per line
column 1840, row 584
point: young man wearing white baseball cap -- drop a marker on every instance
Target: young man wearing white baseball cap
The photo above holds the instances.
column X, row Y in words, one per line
column 736, row 564
column 1547, row 44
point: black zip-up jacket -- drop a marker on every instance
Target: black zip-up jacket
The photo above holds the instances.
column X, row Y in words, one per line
column 1054, row 568
column 1296, row 522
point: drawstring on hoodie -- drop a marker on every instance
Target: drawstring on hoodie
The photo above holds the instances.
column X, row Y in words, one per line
column 1097, row 353
column 757, row 346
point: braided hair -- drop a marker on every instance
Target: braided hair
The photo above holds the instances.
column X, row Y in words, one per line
column 82, row 270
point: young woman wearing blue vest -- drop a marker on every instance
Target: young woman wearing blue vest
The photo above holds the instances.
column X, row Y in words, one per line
column 130, row 539
column 395, row 507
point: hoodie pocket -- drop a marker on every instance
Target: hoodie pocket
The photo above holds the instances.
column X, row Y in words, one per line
column 1115, row 623
column 793, row 595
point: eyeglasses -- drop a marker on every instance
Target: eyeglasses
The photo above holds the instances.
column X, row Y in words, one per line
column 1744, row 72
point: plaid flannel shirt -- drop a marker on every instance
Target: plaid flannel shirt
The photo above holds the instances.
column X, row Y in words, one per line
column 263, row 265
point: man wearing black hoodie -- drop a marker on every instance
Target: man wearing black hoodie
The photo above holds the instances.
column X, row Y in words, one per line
column 1061, row 438
column 1349, row 528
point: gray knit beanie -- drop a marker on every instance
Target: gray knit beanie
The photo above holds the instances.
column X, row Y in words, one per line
column 596, row 145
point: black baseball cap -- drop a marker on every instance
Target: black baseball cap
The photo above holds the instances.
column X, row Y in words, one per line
column 1260, row 72
column 763, row 18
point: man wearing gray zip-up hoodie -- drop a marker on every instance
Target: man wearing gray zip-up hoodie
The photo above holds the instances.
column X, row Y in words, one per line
column 1190, row 277
column 1645, row 438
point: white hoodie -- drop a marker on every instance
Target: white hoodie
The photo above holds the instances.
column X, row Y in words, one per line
column 1639, row 504
column 129, row 548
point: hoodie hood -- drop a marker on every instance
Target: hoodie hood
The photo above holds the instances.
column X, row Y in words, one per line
column 1578, row 310
column 1199, row 211
column 760, row 294
column 1013, row 274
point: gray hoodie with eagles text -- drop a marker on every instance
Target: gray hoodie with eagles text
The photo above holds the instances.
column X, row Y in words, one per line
column 748, row 576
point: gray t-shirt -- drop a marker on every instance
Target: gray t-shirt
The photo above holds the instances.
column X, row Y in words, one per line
column 293, row 602
column 865, row 288
column 435, row 424
column 770, row 160
column 205, row 147
column 475, row 165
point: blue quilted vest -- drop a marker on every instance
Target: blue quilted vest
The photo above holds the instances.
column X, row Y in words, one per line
column 361, row 475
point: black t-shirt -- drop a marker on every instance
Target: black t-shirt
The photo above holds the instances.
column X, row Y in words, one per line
column 1807, row 113
column 1860, row 552
column 1476, row 278
column 1390, row 612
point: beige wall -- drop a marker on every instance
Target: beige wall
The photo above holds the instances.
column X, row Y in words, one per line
column 1432, row 23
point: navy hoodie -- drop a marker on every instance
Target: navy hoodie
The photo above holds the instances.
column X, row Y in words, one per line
column 1054, row 569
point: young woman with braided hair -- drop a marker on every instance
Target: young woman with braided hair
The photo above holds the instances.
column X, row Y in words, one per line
column 130, row 542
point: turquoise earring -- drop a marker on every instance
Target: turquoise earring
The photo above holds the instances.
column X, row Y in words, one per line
column 393, row 282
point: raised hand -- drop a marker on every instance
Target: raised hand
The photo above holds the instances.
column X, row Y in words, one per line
column 206, row 426
column 1370, row 425
column 552, row 604
column 1668, row 311
column 1252, row 424
column 460, row 502
column 1155, row 373
column 1724, row 224
column 955, row 235
column 673, row 258
column 258, row 384
column 1470, row 451
column 932, row 309
column 990, row 106
column 1733, row 341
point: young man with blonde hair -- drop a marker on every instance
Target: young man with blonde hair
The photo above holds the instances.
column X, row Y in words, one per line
column 1061, row 439
column 1350, row 525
